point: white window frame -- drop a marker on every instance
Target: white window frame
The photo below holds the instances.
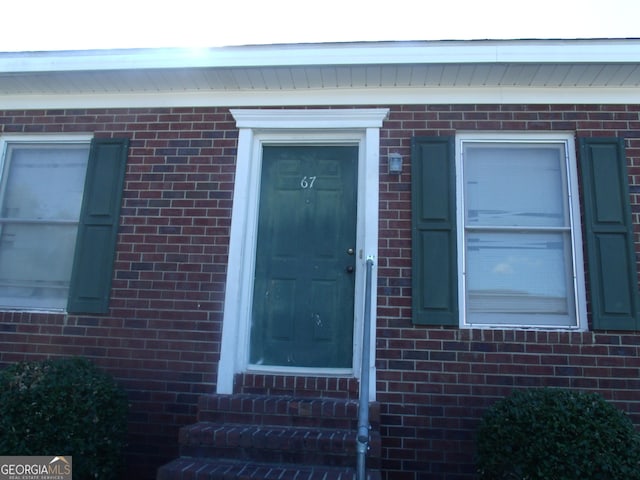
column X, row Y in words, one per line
column 18, row 139
column 567, row 140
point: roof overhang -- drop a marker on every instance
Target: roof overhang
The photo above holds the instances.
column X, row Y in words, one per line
column 505, row 71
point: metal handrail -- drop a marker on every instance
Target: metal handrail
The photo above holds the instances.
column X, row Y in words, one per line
column 363, row 407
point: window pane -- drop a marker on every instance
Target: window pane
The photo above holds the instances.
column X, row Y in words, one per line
column 35, row 265
column 42, row 184
column 515, row 185
column 44, row 181
column 520, row 274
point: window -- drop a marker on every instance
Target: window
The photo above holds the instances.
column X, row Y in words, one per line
column 40, row 200
column 496, row 236
column 519, row 250
column 59, row 208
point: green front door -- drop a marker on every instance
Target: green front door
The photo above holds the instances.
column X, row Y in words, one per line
column 303, row 308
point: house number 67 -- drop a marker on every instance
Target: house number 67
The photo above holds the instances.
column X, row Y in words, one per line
column 307, row 182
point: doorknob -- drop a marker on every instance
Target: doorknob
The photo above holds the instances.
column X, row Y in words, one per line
column 349, row 269
column 350, row 251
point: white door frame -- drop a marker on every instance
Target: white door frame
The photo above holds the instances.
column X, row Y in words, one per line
column 259, row 127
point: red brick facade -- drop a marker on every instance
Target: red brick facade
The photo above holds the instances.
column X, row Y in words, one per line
column 161, row 339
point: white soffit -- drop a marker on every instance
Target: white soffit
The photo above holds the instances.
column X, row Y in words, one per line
column 591, row 71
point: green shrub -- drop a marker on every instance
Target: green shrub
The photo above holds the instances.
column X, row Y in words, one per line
column 64, row 407
column 555, row 434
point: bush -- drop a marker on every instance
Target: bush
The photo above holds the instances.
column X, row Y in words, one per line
column 554, row 434
column 64, row 407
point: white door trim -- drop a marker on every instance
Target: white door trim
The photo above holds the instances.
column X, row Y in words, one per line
column 257, row 127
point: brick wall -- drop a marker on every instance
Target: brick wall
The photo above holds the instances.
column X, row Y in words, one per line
column 434, row 384
column 161, row 339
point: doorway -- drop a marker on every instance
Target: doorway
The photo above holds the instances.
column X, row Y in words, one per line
column 322, row 140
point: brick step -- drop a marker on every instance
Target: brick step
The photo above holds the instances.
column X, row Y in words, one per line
column 286, row 411
column 247, row 436
column 280, row 444
column 214, row 469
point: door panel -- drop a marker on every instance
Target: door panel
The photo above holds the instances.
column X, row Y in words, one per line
column 303, row 312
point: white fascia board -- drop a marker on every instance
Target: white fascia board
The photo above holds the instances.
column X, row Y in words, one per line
column 605, row 51
column 335, row 97
column 383, row 53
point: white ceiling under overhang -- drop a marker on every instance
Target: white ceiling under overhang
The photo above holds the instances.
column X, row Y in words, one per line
column 490, row 71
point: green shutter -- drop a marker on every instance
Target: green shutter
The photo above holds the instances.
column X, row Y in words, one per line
column 98, row 228
column 434, row 263
column 609, row 234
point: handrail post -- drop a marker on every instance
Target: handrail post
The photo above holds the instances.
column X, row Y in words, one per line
column 363, row 406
